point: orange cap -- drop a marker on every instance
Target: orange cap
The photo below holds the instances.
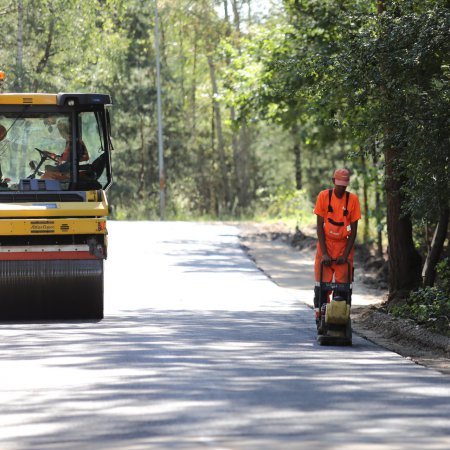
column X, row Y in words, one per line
column 341, row 177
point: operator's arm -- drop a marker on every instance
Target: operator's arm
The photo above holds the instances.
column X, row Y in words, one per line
column 321, row 236
column 350, row 242
column 59, row 158
column 84, row 154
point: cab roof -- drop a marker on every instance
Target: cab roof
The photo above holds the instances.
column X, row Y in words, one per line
column 60, row 99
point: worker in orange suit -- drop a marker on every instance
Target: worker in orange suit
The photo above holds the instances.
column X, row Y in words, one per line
column 338, row 212
column 62, row 170
column 64, row 130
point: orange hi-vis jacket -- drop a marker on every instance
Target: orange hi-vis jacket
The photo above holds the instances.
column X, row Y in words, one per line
column 84, row 155
column 337, row 229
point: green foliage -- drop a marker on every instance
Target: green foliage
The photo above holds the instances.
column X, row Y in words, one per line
column 301, row 88
column 287, row 205
column 65, row 45
column 348, row 74
column 395, row 71
column 443, row 272
column 430, row 306
column 369, row 81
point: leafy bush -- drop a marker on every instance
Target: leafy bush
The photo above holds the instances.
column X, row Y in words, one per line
column 430, row 306
column 443, row 275
column 287, row 205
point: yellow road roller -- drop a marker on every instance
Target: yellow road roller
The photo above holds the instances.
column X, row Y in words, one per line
column 55, row 168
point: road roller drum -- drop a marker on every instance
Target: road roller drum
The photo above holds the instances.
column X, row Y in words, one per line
column 55, row 170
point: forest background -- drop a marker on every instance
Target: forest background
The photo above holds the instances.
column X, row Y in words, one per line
column 262, row 100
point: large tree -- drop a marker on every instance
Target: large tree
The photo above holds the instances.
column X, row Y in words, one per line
column 396, row 70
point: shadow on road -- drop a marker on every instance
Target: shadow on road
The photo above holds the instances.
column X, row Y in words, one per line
column 230, row 376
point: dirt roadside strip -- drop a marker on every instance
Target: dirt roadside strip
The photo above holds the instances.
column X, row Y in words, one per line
column 293, row 269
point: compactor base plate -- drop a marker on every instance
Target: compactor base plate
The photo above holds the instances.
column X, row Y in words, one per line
column 333, row 340
column 336, row 334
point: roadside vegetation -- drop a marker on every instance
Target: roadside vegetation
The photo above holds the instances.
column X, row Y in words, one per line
column 262, row 100
column 430, row 306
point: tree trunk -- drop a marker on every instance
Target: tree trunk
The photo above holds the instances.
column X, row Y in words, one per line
column 365, row 201
column 182, row 60
column 19, row 55
column 243, row 169
column 220, row 140
column 20, row 82
column 239, row 137
column 236, row 15
column 404, row 261
column 437, row 245
column 249, row 15
column 141, row 187
column 194, row 90
column 225, row 10
column 378, row 208
column 47, row 53
column 298, row 156
column 379, row 224
column 236, row 155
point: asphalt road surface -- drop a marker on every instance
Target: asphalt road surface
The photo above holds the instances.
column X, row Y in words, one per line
column 199, row 349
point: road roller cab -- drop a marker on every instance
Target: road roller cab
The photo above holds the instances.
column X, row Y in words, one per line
column 55, row 169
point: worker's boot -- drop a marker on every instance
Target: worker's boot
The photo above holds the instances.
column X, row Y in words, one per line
column 321, row 326
column 320, row 315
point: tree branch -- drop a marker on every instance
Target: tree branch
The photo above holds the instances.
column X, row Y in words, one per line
column 47, row 53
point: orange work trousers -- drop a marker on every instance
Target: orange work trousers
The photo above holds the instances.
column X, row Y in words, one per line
column 340, row 271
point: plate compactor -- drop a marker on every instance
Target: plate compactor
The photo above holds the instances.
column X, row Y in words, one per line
column 54, row 171
column 335, row 327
